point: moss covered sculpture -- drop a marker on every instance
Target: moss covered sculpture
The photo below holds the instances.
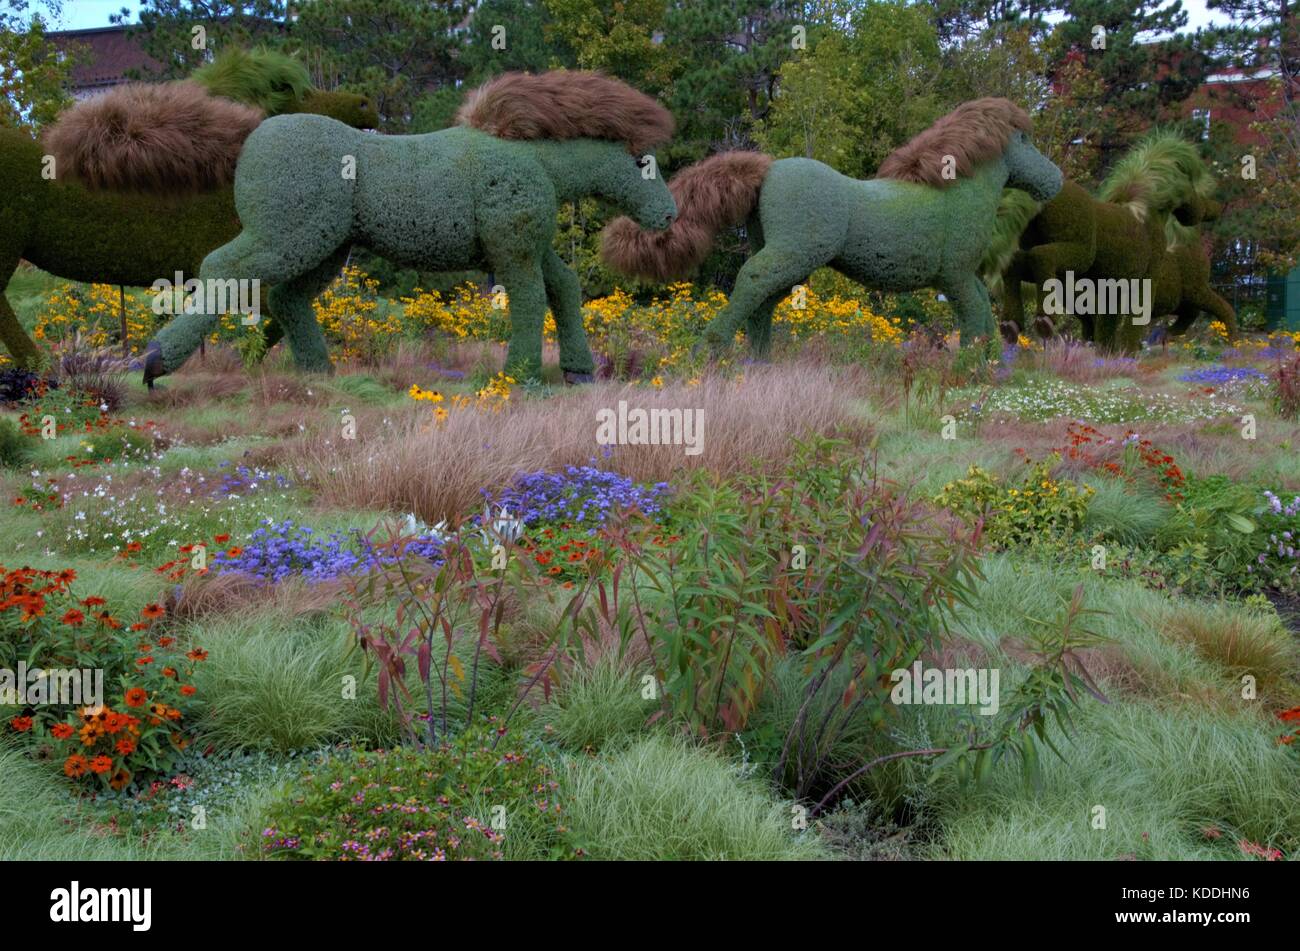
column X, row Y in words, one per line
column 1139, row 229
column 141, row 185
column 923, row 222
column 483, row 195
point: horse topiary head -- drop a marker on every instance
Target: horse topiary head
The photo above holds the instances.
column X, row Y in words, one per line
column 983, row 130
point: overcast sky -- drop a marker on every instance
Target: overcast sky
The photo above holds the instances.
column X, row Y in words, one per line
column 83, row 14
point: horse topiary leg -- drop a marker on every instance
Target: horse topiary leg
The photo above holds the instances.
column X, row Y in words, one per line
column 243, row 259
column 564, row 293
column 526, row 288
column 1204, row 297
column 759, row 326
column 970, row 300
column 292, row 302
column 769, row 272
column 16, row 340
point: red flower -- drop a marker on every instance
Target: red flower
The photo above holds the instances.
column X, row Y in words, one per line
column 221, row 539
column 188, row 690
column 101, row 764
column 94, row 601
column 125, row 746
column 136, row 697
column 197, row 653
column 152, row 611
column 1290, row 716
column 61, row 731
column 21, row 724
column 74, row 617
column 75, row 765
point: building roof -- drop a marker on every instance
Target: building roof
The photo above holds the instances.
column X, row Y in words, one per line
column 112, row 53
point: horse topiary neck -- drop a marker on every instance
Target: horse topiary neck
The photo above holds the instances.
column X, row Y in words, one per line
column 577, row 167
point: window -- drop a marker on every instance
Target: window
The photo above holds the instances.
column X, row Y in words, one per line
column 1201, row 118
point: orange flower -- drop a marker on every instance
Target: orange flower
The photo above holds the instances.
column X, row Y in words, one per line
column 74, row 617
column 188, row 690
column 75, row 765
column 120, row 779
column 137, row 626
column 21, row 724
column 197, row 653
column 166, row 641
column 94, row 601
column 169, row 672
column 152, row 611
column 136, row 697
column 125, row 746
column 61, row 731
column 67, row 576
column 101, row 764
column 234, row 551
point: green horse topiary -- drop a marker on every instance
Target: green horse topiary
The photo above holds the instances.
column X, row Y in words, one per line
column 1139, row 229
column 923, row 222
column 140, row 186
column 483, row 194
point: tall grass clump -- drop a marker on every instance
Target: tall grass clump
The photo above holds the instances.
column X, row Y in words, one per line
column 426, row 466
column 597, row 706
column 664, row 799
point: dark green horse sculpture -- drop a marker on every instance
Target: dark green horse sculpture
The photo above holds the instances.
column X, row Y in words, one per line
column 1141, row 228
column 136, row 236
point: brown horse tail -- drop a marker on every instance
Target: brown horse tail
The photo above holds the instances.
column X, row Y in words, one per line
column 163, row 137
column 717, row 193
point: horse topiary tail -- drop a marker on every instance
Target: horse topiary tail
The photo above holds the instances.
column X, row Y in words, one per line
column 717, row 193
column 1015, row 210
column 273, row 82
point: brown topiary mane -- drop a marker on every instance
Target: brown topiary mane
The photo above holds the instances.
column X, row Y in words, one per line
column 566, row 105
column 972, row 133
column 151, row 137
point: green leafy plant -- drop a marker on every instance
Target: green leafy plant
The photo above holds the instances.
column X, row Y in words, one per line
column 1038, row 507
column 469, row 798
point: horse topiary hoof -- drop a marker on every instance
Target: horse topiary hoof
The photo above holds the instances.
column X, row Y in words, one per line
column 153, row 363
column 574, row 379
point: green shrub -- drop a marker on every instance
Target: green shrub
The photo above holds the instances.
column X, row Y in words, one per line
column 662, row 798
column 472, row 798
column 1036, row 508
